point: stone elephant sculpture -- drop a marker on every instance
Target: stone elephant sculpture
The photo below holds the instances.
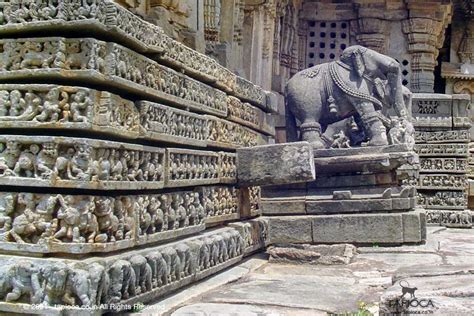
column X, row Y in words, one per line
column 361, row 85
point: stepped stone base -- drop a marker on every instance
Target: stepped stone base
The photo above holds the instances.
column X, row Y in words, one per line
column 388, row 228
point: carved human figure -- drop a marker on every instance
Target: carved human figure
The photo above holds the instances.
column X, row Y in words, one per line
column 363, row 83
column 24, row 280
column 51, row 108
column 80, row 105
column 9, row 157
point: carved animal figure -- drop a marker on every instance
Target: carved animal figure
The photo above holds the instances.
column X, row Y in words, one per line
column 159, row 268
column 143, row 273
column 173, row 262
column 122, row 281
column 362, row 83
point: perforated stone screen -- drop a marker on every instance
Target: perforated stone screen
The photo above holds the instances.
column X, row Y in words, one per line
column 326, row 41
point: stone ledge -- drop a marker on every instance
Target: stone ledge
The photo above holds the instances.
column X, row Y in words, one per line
column 113, row 222
column 109, row 20
column 383, row 228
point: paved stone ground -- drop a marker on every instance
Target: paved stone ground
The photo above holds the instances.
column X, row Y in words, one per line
column 442, row 270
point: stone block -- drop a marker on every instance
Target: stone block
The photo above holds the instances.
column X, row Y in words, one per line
column 282, row 206
column 414, row 227
column 442, row 182
column 360, row 229
column 275, row 164
column 347, row 206
column 442, row 150
column 444, row 165
column 221, row 203
column 290, row 229
column 442, row 200
column 187, row 167
column 254, row 233
column 250, row 201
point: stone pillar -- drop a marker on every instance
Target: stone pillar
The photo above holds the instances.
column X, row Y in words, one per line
column 370, row 26
column 425, row 32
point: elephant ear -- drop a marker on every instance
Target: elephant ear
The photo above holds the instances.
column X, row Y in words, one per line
column 358, row 63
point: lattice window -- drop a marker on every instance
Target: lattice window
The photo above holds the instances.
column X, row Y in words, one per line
column 325, row 41
column 404, row 61
column 212, row 11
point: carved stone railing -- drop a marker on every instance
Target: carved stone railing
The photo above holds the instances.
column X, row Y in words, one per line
column 109, row 20
column 126, row 278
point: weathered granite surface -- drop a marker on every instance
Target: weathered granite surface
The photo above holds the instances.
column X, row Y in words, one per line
column 275, row 164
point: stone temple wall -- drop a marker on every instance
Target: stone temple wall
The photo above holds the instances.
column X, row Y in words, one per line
column 117, row 159
column 442, row 124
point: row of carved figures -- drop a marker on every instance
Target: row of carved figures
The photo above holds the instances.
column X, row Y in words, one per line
column 63, row 105
column 79, row 161
column 90, row 54
column 461, row 218
column 47, row 282
column 129, row 27
column 442, row 198
column 41, row 218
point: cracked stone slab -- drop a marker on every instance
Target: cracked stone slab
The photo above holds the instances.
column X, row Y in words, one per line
column 275, row 164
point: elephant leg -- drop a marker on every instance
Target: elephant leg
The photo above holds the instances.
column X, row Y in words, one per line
column 311, row 132
column 373, row 125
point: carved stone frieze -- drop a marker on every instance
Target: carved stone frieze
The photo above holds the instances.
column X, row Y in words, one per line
column 186, row 167
column 230, row 135
column 65, row 107
column 249, row 92
column 455, row 219
column 246, row 114
column 442, row 200
column 79, row 163
column 227, row 167
column 108, row 64
column 109, row 19
column 48, row 223
column 255, row 234
column 173, row 125
column 442, row 150
column 442, row 181
column 126, row 278
column 221, row 203
column 453, row 136
column 444, row 165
